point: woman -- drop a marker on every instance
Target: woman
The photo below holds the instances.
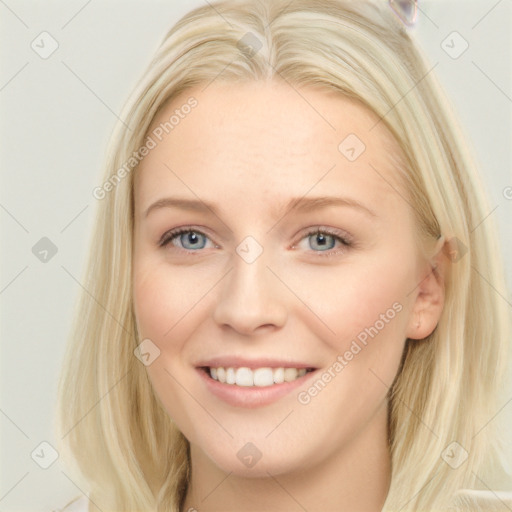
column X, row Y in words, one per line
column 291, row 308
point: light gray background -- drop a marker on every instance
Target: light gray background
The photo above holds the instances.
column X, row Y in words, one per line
column 57, row 114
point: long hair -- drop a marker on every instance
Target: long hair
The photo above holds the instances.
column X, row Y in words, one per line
column 112, row 426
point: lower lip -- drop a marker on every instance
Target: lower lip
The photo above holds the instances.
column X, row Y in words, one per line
column 254, row 396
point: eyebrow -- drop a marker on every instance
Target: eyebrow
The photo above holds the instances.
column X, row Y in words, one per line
column 298, row 204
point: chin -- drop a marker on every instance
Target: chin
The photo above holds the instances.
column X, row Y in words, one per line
column 250, row 460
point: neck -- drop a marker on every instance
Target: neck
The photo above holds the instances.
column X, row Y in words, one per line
column 355, row 478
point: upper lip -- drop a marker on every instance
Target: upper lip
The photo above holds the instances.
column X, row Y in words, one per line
column 239, row 362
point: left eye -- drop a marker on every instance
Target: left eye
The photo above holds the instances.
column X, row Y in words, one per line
column 321, row 241
column 324, row 241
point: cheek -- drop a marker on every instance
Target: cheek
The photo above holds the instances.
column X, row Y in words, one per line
column 154, row 301
column 367, row 308
column 368, row 313
column 166, row 303
column 166, row 308
column 162, row 297
column 359, row 301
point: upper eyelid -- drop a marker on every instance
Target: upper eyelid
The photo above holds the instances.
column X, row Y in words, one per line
column 172, row 233
column 344, row 237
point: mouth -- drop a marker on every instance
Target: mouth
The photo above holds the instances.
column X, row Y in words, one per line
column 254, row 377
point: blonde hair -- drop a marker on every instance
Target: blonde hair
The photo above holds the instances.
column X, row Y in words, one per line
column 125, row 446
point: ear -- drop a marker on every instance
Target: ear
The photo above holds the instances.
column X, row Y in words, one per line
column 430, row 294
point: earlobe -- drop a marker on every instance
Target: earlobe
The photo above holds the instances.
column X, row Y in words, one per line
column 430, row 296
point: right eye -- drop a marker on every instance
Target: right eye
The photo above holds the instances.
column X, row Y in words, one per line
column 188, row 239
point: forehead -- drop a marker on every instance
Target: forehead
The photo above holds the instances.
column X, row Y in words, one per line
column 268, row 138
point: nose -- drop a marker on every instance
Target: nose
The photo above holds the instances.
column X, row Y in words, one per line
column 251, row 299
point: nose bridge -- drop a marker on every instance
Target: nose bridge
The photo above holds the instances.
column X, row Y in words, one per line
column 250, row 295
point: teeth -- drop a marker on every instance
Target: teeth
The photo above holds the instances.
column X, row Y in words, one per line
column 263, row 377
column 259, row 377
column 230, row 376
column 278, row 375
column 221, row 374
column 244, row 377
column 290, row 374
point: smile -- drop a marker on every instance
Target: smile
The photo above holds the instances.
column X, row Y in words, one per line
column 255, row 377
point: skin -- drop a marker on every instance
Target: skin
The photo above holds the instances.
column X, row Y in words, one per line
column 249, row 148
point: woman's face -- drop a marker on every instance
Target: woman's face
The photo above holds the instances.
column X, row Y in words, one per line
column 253, row 288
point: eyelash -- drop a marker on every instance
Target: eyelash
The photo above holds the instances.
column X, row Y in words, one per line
column 345, row 241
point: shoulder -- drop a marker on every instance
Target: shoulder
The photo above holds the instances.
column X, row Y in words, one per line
column 79, row 504
column 495, row 501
